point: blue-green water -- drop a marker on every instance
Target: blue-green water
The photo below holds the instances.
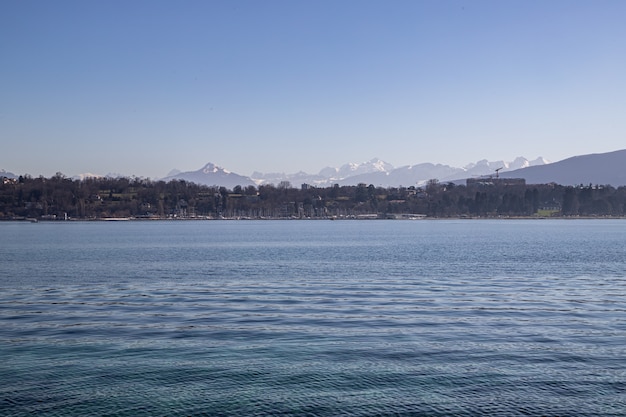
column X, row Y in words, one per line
column 317, row 318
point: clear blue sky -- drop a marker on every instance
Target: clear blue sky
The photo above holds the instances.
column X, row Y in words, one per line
column 142, row 87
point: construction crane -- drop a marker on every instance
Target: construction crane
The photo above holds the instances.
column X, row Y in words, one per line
column 498, row 172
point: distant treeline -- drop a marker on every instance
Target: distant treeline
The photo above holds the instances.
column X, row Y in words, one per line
column 60, row 197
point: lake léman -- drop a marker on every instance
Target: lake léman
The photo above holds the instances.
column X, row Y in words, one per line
column 313, row 318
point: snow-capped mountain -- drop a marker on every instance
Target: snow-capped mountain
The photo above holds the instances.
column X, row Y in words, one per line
column 354, row 169
column 211, row 174
column 517, row 163
column 85, row 175
column 327, row 176
column 373, row 166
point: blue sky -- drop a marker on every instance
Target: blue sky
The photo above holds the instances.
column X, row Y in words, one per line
column 142, row 87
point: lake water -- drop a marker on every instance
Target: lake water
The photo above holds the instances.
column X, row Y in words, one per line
column 313, row 318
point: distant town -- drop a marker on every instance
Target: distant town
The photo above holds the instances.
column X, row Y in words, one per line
column 60, row 198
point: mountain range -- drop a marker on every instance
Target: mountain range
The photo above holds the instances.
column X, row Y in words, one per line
column 375, row 171
column 602, row 169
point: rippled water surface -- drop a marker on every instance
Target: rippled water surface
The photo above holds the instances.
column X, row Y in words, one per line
column 318, row 318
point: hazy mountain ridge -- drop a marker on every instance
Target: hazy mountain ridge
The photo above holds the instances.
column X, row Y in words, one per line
column 597, row 169
column 7, row 174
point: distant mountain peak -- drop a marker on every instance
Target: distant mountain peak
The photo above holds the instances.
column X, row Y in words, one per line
column 7, row 174
column 371, row 166
column 517, row 163
column 86, row 175
column 539, row 161
column 211, row 168
column 212, row 175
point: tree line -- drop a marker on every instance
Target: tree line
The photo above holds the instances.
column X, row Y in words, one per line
column 60, row 197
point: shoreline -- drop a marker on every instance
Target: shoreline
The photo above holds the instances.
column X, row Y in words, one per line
column 342, row 218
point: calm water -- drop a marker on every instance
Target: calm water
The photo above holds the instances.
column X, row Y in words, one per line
column 318, row 318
